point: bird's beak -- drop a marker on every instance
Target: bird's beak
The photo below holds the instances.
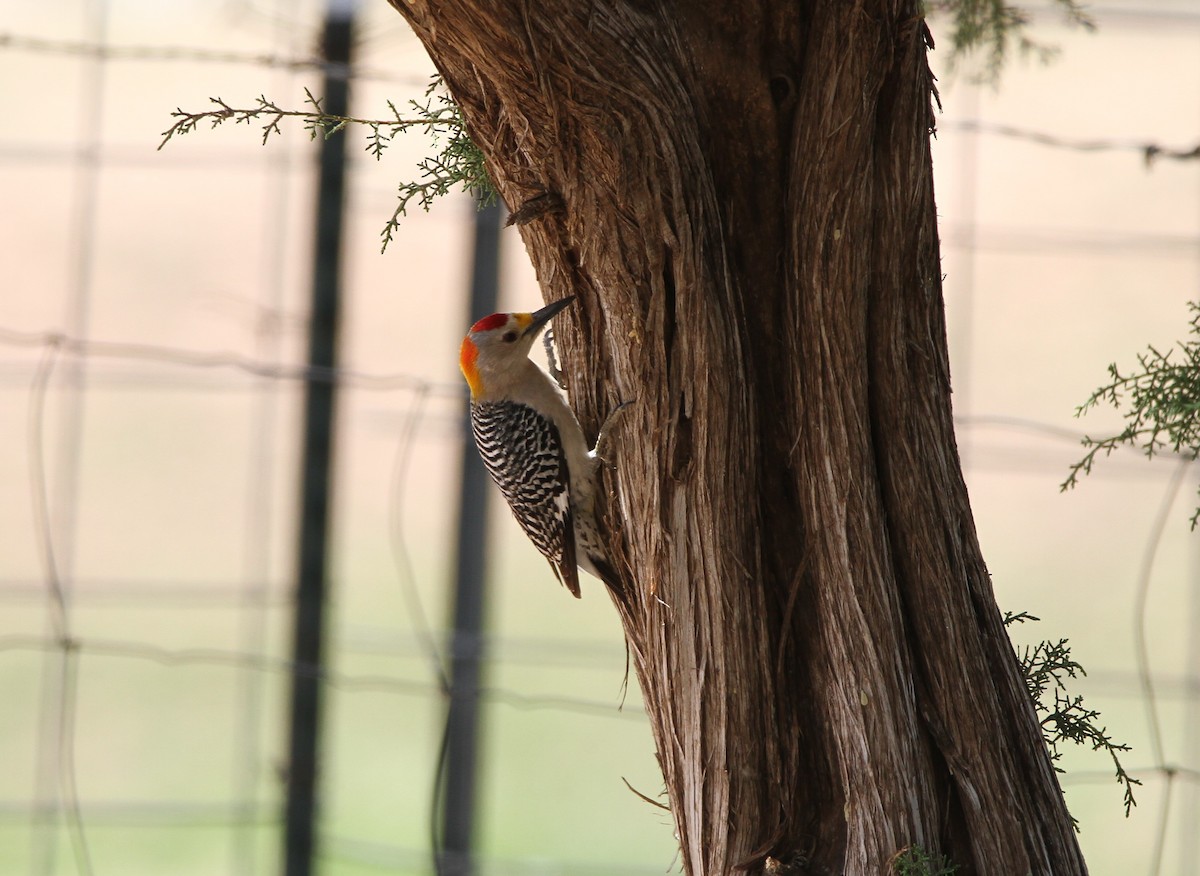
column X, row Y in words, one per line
column 543, row 316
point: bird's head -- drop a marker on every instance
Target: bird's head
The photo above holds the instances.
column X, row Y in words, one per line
column 499, row 344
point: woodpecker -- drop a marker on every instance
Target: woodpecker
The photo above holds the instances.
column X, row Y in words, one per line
column 532, row 445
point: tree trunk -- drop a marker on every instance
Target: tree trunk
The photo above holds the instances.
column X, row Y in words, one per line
column 741, row 196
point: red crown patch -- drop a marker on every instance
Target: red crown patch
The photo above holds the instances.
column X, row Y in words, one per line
column 495, row 321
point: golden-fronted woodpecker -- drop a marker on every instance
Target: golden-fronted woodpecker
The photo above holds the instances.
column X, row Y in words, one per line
column 532, row 445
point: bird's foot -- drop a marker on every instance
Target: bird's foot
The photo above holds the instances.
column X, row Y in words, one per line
column 552, row 359
column 604, row 451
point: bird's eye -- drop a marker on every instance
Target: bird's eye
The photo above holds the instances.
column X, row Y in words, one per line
column 509, row 337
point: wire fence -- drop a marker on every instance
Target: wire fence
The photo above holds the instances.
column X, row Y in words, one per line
column 145, row 667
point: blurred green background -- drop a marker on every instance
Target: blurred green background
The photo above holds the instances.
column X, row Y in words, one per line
column 172, row 484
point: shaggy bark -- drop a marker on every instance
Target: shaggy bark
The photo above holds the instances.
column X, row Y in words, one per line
column 741, row 196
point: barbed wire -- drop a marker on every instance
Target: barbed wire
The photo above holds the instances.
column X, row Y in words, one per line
column 346, row 682
column 190, row 358
column 163, row 54
column 1149, row 150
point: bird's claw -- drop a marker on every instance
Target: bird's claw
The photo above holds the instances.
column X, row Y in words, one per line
column 552, row 359
column 604, row 447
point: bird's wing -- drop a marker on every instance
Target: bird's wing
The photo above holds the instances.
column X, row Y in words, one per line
column 523, row 453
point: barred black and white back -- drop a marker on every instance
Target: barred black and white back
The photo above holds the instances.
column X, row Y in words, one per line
column 523, row 452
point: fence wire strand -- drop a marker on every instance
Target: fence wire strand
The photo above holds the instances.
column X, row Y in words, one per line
column 191, row 54
column 66, row 705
